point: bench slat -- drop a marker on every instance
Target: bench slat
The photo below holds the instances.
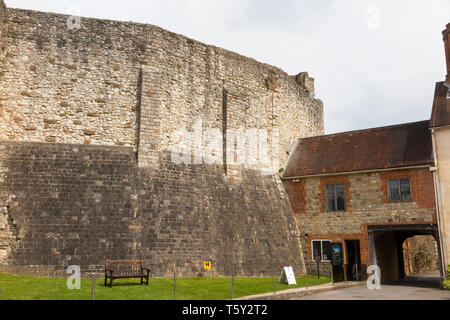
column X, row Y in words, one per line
column 122, row 269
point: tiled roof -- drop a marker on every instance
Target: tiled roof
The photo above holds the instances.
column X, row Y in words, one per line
column 380, row 148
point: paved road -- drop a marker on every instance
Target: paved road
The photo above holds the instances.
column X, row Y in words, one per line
column 424, row 287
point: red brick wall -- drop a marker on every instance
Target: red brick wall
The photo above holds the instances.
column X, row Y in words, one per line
column 296, row 192
column 340, row 238
column 367, row 204
column 422, row 187
column 363, row 238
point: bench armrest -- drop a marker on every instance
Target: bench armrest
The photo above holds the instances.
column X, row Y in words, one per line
column 146, row 269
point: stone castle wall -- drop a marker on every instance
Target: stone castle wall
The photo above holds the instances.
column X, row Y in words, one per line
column 2, row 29
column 85, row 85
column 87, row 118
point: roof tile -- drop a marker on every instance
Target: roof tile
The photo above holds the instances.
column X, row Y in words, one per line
column 380, row 148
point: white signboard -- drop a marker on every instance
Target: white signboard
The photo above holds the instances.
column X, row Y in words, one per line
column 287, row 276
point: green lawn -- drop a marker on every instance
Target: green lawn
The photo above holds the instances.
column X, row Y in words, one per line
column 447, row 281
column 14, row 287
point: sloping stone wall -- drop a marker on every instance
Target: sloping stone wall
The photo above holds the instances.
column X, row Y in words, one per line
column 77, row 205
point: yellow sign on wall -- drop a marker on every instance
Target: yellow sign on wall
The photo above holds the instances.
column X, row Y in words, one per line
column 207, row 265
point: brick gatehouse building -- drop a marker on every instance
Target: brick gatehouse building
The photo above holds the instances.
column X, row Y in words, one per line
column 369, row 190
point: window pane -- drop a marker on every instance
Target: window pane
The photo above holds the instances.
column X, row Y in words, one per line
column 317, row 250
column 405, row 190
column 340, row 197
column 326, row 246
column 393, row 190
column 331, row 203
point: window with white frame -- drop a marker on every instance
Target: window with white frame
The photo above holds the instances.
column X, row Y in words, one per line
column 321, row 249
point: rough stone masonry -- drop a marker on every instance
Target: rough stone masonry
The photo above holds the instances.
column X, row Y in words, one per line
column 87, row 118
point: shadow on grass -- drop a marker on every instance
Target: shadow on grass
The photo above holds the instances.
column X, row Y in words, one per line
column 125, row 285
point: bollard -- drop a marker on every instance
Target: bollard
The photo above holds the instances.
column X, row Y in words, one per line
column 307, row 281
column 345, row 268
column 357, row 273
column 332, row 275
column 232, row 288
column 274, row 287
column 232, row 285
column 93, row 288
column 175, row 285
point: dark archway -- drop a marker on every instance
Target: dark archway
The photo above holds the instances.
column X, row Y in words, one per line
column 386, row 247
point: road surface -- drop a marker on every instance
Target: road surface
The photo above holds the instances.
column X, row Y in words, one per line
column 424, row 287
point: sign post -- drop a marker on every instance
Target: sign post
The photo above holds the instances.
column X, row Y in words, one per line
column 207, row 266
column 318, row 259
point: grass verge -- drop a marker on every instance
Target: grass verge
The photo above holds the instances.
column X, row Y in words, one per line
column 14, row 287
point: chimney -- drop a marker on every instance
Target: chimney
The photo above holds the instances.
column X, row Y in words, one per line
column 446, row 34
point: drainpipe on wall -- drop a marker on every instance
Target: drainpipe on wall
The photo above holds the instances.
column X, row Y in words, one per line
column 443, row 253
column 438, row 202
column 372, row 249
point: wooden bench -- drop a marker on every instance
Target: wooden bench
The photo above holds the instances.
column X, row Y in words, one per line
column 125, row 269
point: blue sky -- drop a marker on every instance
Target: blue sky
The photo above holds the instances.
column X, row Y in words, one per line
column 375, row 62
